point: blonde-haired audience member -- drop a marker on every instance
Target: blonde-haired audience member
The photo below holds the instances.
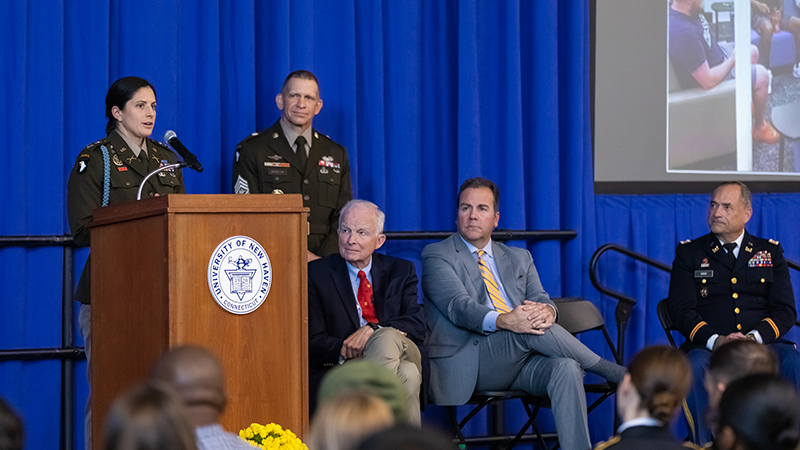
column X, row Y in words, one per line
column 149, row 416
column 657, row 381
column 344, row 420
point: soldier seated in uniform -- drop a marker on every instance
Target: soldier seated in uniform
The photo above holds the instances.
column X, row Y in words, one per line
column 729, row 285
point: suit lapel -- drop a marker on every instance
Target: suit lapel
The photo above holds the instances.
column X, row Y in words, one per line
column 505, row 270
column 281, row 146
column 341, row 281
column 378, row 285
column 471, row 266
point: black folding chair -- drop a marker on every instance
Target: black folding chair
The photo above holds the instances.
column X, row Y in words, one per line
column 576, row 316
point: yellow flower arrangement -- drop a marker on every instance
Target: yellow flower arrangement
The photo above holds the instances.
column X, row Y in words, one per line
column 271, row 437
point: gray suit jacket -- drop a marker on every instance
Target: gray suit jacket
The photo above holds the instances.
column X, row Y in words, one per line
column 456, row 303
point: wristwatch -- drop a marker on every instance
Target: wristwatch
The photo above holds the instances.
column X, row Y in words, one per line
column 373, row 325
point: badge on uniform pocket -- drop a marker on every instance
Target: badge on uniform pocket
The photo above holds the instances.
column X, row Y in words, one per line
column 704, row 291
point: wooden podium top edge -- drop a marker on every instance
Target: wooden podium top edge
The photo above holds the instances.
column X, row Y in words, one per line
column 198, row 203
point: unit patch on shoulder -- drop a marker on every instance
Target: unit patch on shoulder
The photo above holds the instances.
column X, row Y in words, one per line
column 81, row 166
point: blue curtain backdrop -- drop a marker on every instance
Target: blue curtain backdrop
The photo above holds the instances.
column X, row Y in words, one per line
column 422, row 93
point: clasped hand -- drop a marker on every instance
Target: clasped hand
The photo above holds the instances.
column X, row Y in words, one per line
column 529, row 317
column 353, row 346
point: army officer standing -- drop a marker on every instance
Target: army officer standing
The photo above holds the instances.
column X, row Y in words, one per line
column 111, row 170
column 291, row 157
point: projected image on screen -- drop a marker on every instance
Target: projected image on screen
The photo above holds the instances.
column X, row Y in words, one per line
column 733, row 102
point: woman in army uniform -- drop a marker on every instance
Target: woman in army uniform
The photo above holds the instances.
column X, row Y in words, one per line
column 110, row 171
column 648, row 397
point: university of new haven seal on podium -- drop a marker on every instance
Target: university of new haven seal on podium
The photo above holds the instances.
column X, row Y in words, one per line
column 239, row 274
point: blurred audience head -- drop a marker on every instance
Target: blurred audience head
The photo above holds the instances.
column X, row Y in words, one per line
column 197, row 376
column 407, row 437
column 758, row 412
column 344, row 419
column 657, row 381
column 12, row 435
column 370, row 378
column 736, row 360
column 148, row 417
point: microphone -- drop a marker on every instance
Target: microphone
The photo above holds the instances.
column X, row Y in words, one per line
column 188, row 157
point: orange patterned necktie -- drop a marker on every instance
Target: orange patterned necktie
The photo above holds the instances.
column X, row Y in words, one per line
column 491, row 285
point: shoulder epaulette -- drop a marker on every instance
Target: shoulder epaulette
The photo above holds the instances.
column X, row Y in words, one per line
column 608, row 443
column 96, row 144
column 86, row 152
column 158, row 143
column 686, row 241
column 773, row 242
column 252, row 135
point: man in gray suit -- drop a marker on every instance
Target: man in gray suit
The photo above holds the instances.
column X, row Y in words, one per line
column 491, row 324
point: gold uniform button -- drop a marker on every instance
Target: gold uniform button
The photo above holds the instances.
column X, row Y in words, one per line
column 739, row 326
column 735, row 295
column 733, row 280
column 762, row 280
column 704, row 281
column 736, row 310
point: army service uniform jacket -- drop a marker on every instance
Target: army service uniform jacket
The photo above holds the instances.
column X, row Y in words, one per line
column 645, row 437
column 708, row 295
column 86, row 181
column 265, row 162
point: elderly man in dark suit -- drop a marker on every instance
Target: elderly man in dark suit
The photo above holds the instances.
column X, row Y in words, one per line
column 730, row 285
column 363, row 304
column 491, row 323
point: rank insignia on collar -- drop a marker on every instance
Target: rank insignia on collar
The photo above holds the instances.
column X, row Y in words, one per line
column 122, row 150
column 274, row 135
column 275, row 157
column 116, row 160
column 704, row 263
column 316, row 135
column 130, row 160
column 715, row 249
column 748, row 249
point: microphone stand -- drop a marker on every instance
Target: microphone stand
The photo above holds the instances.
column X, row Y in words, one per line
column 160, row 169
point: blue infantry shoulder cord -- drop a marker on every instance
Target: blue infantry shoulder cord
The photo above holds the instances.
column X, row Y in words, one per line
column 106, row 175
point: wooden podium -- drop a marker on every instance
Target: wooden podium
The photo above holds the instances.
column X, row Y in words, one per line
column 150, row 292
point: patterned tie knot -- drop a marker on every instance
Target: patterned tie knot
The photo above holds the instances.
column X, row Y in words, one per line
column 481, row 253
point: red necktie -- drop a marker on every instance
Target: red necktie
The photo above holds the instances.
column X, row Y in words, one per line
column 365, row 298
